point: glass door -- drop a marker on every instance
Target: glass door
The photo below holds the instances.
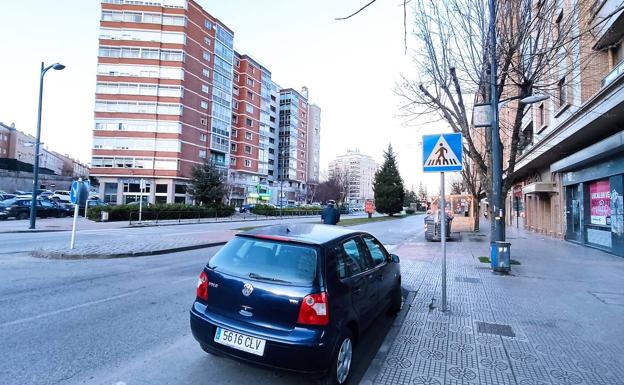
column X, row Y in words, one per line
column 574, row 210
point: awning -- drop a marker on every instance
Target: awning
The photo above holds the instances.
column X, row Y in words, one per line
column 540, row 187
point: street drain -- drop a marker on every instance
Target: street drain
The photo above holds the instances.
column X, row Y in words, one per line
column 467, row 279
column 496, row 329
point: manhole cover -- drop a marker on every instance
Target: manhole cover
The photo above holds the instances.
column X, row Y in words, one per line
column 496, row 329
column 467, row 279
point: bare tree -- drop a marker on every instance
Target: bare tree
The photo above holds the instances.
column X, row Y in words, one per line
column 538, row 46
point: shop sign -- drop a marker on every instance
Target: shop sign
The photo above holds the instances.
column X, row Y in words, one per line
column 600, row 202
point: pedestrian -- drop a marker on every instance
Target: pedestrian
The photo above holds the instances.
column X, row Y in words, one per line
column 330, row 214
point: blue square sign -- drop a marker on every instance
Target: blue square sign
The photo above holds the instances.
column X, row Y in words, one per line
column 442, row 152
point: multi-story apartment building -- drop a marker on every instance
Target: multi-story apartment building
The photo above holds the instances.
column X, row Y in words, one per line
column 314, row 144
column 163, row 97
column 356, row 173
column 5, row 136
column 254, row 133
column 292, row 157
column 571, row 164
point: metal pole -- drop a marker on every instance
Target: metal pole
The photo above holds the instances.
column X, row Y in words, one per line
column 498, row 230
column 33, row 201
column 442, row 211
column 140, row 205
column 76, row 213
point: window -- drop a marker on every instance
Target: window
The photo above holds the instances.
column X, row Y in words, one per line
column 541, row 119
column 203, row 121
column 237, row 77
column 249, row 122
column 249, row 108
column 110, row 192
column 233, row 147
column 351, row 259
column 206, row 55
column 237, row 63
column 562, row 93
column 204, row 104
column 248, row 135
column 248, row 150
column 235, row 90
column 234, row 133
column 207, row 41
column 250, row 95
column 376, row 251
column 208, row 24
column 250, row 82
column 234, row 105
column 202, row 154
column 247, row 163
column 206, row 72
column 205, row 88
column 234, row 118
column 161, row 189
column 233, row 161
column 203, row 137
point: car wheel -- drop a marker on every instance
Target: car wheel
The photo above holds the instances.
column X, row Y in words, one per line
column 22, row 215
column 341, row 362
column 396, row 300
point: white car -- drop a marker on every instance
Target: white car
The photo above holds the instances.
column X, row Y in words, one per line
column 61, row 195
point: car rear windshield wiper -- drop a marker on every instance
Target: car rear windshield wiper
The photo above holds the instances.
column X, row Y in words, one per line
column 263, row 278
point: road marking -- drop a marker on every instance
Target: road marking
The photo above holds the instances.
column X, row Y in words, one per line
column 67, row 309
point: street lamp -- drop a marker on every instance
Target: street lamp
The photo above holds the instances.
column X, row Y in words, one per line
column 33, row 202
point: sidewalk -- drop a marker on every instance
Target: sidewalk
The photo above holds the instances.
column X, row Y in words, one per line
column 557, row 319
column 134, row 248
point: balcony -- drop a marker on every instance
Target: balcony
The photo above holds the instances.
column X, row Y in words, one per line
column 614, row 74
column 608, row 22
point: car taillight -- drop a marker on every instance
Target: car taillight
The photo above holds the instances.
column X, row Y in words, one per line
column 314, row 310
column 202, row 286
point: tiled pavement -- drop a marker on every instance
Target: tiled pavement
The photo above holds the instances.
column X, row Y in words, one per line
column 136, row 247
column 564, row 306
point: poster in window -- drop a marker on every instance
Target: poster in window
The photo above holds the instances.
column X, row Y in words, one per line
column 617, row 213
column 600, row 202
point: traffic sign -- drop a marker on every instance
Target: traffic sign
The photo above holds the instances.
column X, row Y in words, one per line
column 83, row 187
column 442, row 152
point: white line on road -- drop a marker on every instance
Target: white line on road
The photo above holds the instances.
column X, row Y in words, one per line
column 59, row 311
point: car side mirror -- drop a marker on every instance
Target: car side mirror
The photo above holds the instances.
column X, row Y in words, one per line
column 395, row 258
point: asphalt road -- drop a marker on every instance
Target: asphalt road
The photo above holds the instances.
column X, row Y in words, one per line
column 125, row 321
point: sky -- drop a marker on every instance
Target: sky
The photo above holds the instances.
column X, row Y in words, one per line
column 350, row 67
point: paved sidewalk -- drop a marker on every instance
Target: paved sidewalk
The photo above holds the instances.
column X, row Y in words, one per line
column 556, row 320
column 136, row 248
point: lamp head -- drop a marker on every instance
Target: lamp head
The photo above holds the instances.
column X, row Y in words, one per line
column 58, row 66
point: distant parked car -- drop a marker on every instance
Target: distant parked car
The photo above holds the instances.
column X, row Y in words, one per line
column 5, row 196
column 246, row 208
column 20, row 209
column 61, row 196
column 295, row 297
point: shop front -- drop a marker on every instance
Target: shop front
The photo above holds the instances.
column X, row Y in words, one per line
column 594, row 180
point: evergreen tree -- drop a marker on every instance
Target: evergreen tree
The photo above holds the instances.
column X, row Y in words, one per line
column 388, row 186
column 206, row 185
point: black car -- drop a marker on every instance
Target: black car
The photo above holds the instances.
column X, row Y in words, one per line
column 20, row 209
column 295, row 297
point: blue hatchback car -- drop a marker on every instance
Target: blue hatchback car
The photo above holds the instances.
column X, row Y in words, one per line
column 295, row 297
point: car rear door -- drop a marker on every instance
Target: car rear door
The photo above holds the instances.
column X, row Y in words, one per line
column 384, row 279
column 356, row 268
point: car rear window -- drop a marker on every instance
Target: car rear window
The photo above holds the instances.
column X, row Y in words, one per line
column 279, row 262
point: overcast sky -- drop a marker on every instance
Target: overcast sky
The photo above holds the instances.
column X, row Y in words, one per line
column 350, row 68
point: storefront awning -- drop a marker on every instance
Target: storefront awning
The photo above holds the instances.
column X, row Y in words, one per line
column 540, row 187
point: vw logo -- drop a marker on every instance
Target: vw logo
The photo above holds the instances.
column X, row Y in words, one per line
column 247, row 289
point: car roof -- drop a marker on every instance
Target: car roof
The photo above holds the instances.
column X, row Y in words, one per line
column 302, row 232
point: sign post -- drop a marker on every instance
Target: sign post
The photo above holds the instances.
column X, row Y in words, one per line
column 142, row 185
column 74, row 196
column 442, row 153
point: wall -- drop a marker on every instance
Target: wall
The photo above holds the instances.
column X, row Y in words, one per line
column 12, row 180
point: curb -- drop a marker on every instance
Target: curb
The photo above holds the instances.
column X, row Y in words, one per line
column 56, row 255
column 375, row 366
column 137, row 226
column 31, row 231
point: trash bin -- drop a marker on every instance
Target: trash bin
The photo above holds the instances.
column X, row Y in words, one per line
column 104, row 216
column 500, row 256
column 433, row 230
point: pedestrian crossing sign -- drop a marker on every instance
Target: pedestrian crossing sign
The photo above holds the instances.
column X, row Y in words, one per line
column 442, row 152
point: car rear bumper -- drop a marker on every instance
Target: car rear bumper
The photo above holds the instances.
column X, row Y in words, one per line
column 311, row 358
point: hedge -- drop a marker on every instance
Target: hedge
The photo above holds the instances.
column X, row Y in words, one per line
column 410, row 211
column 159, row 212
column 275, row 211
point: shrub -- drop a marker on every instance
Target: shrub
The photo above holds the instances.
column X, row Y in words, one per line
column 159, row 212
column 275, row 211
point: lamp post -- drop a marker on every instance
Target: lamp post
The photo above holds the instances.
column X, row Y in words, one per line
column 33, row 202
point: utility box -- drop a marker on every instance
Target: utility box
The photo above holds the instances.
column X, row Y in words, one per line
column 104, row 216
column 500, row 256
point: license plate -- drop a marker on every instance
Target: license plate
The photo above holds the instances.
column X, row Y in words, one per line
column 239, row 341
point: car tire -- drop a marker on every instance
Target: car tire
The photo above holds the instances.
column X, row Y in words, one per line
column 22, row 215
column 342, row 362
column 396, row 300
